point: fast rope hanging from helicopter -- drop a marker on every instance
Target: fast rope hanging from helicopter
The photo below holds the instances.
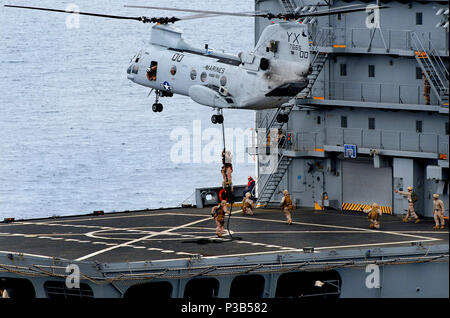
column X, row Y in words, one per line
column 228, row 187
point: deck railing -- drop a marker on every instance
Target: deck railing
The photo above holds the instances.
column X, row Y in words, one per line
column 376, row 139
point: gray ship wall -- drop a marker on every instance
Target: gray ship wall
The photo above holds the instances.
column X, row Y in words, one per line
column 409, row 281
column 394, row 272
column 408, row 145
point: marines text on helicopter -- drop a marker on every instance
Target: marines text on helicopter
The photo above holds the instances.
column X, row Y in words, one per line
column 272, row 74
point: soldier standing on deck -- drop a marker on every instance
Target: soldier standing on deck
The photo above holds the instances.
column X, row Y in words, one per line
column 438, row 211
column 218, row 212
column 287, row 206
column 247, row 204
column 412, row 198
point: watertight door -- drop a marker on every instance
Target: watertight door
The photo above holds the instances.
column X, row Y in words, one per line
column 363, row 184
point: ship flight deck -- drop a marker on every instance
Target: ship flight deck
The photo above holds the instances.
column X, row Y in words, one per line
column 163, row 234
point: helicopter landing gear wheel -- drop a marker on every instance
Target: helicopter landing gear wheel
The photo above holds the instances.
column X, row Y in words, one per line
column 157, row 107
column 282, row 118
column 217, row 119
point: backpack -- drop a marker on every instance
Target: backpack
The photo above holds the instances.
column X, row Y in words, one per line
column 414, row 197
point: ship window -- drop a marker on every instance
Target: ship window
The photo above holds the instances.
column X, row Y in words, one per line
column 343, row 69
column 419, row 18
column 17, row 288
column 418, row 73
column 446, row 128
column 309, row 284
column 202, row 288
column 418, row 126
column 149, row 291
column 343, row 121
column 371, row 123
column 371, row 70
column 59, row 290
column 318, row 120
column 247, row 286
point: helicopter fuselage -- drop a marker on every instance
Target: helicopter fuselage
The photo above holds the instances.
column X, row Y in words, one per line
column 219, row 80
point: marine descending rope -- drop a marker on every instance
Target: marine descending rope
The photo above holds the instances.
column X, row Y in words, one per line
column 230, row 196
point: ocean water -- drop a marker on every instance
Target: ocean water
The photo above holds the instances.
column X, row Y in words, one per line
column 76, row 135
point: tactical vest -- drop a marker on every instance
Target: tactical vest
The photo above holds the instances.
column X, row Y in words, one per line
column 220, row 215
column 373, row 215
column 288, row 203
column 413, row 197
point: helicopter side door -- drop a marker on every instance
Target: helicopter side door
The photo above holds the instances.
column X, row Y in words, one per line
column 152, row 71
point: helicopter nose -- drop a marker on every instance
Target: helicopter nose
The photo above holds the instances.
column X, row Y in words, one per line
column 132, row 71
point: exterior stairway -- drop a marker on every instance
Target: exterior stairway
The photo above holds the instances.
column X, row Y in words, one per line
column 433, row 67
column 288, row 6
column 274, row 179
column 317, row 66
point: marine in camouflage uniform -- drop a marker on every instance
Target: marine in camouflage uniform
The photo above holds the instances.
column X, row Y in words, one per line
column 438, row 212
column 411, row 196
column 287, row 206
column 218, row 212
column 373, row 216
column 247, row 204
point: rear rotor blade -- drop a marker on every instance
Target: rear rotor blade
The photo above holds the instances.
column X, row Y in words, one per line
column 238, row 14
column 270, row 16
column 338, row 11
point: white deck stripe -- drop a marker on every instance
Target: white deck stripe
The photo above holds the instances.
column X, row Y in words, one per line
column 342, row 227
column 319, row 248
column 146, row 237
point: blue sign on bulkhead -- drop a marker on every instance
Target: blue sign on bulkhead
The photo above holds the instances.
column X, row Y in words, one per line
column 349, row 151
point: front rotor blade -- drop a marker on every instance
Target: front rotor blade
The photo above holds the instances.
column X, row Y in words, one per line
column 162, row 20
column 81, row 13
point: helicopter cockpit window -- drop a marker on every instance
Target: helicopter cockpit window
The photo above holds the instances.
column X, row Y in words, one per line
column 137, row 57
column 135, row 68
column 152, row 70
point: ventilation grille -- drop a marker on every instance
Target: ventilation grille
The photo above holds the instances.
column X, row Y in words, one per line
column 59, row 290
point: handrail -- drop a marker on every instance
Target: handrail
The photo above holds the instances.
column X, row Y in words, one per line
column 370, row 92
column 261, row 192
column 435, row 75
column 439, row 61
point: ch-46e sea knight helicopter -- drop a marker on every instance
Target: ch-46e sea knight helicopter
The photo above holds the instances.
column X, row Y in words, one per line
column 272, row 74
